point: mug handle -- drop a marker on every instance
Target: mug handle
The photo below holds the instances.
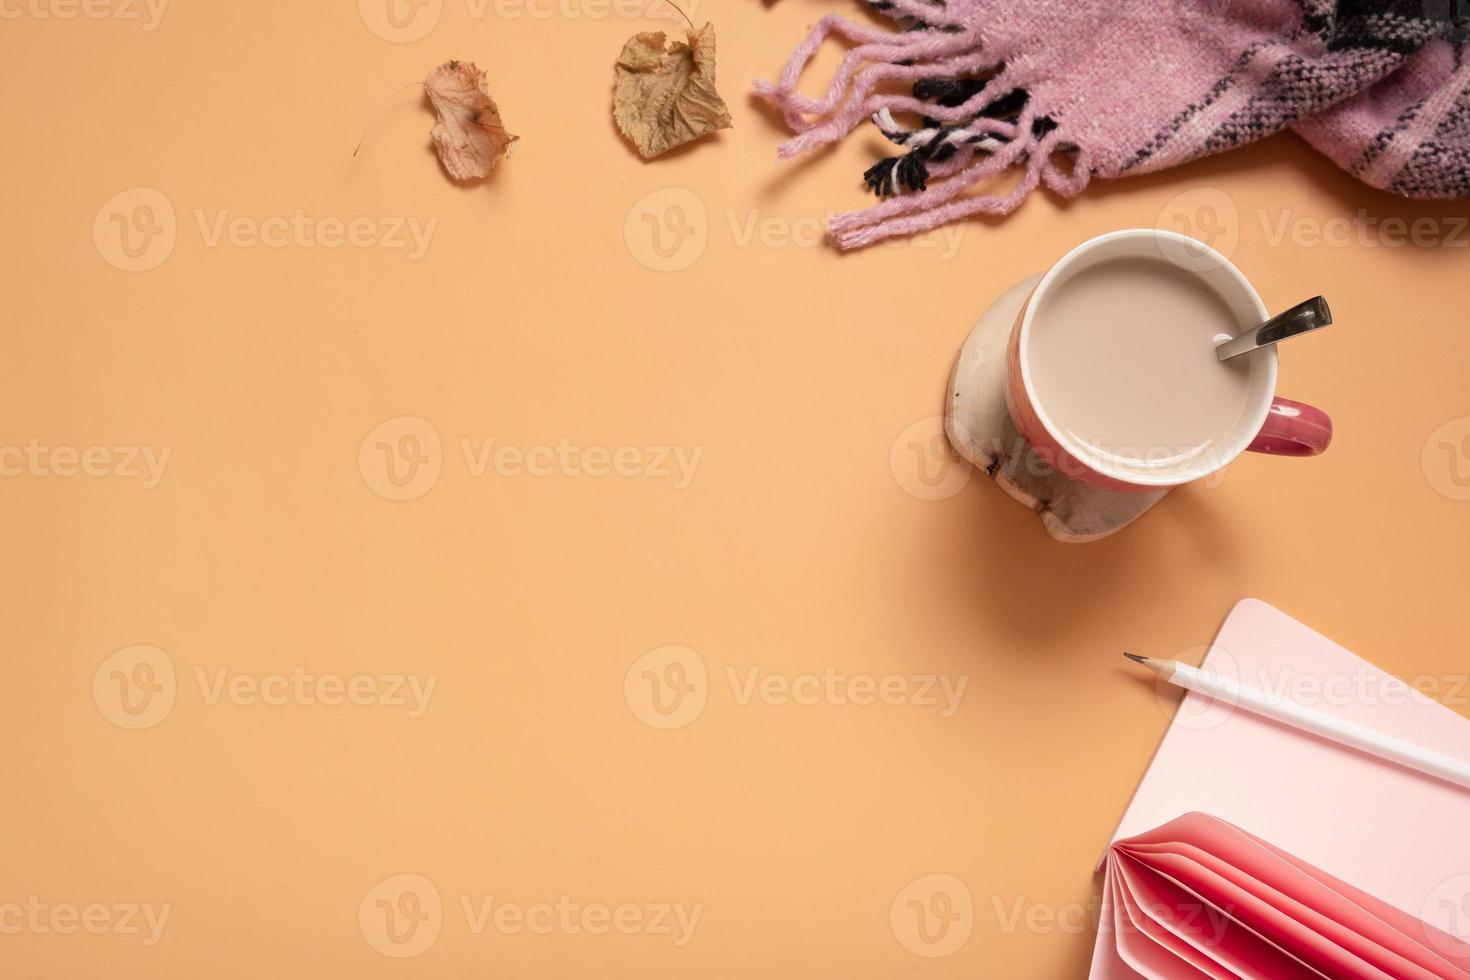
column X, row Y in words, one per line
column 1293, row 429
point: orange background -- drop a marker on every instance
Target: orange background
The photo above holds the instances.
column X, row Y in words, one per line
column 803, row 541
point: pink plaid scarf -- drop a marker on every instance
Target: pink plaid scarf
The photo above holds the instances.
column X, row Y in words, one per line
column 1068, row 90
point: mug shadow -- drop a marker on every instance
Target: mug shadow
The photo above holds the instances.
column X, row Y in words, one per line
column 1013, row 588
column 1010, row 586
column 1020, row 597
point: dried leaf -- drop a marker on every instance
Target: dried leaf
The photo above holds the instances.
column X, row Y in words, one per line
column 665, row 98
column 469, row 135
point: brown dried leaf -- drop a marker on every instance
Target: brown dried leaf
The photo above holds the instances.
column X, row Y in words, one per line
column 665, row 98
column 469, row 135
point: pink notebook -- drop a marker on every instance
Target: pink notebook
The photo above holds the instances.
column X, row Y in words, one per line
column 1398, row 836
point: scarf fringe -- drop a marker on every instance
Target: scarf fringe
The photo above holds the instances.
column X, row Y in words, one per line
column 979, row 119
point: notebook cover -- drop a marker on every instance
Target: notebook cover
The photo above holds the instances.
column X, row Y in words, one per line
column 1398, row 835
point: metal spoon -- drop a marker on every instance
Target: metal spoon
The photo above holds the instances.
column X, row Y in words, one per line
column 1301, row 318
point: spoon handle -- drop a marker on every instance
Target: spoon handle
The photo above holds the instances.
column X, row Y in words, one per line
column 1309, row 315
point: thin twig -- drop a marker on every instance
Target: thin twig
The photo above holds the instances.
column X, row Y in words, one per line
column 671, row 3
column 375, row 118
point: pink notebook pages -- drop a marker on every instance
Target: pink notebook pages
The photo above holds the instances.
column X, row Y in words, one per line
column 1402, row 837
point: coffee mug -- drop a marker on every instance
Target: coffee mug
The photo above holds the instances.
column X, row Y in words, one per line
column 1267, row 423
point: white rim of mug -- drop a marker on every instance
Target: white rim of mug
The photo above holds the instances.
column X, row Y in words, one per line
column 1269, row 359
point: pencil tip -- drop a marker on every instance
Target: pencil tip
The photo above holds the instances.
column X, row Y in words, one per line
column 1136, row 658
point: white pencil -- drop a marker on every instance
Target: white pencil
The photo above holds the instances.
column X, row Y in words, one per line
column 1306, row 719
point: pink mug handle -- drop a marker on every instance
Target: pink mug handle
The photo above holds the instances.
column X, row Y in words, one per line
column 1293, row 429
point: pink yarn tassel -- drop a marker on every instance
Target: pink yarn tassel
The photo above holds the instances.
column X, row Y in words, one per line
column 936, row 195
column 859, row 107
column 1066, row 183
column 931, row 14
column 885, row 48
column 858, row 229
column 955, row 149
